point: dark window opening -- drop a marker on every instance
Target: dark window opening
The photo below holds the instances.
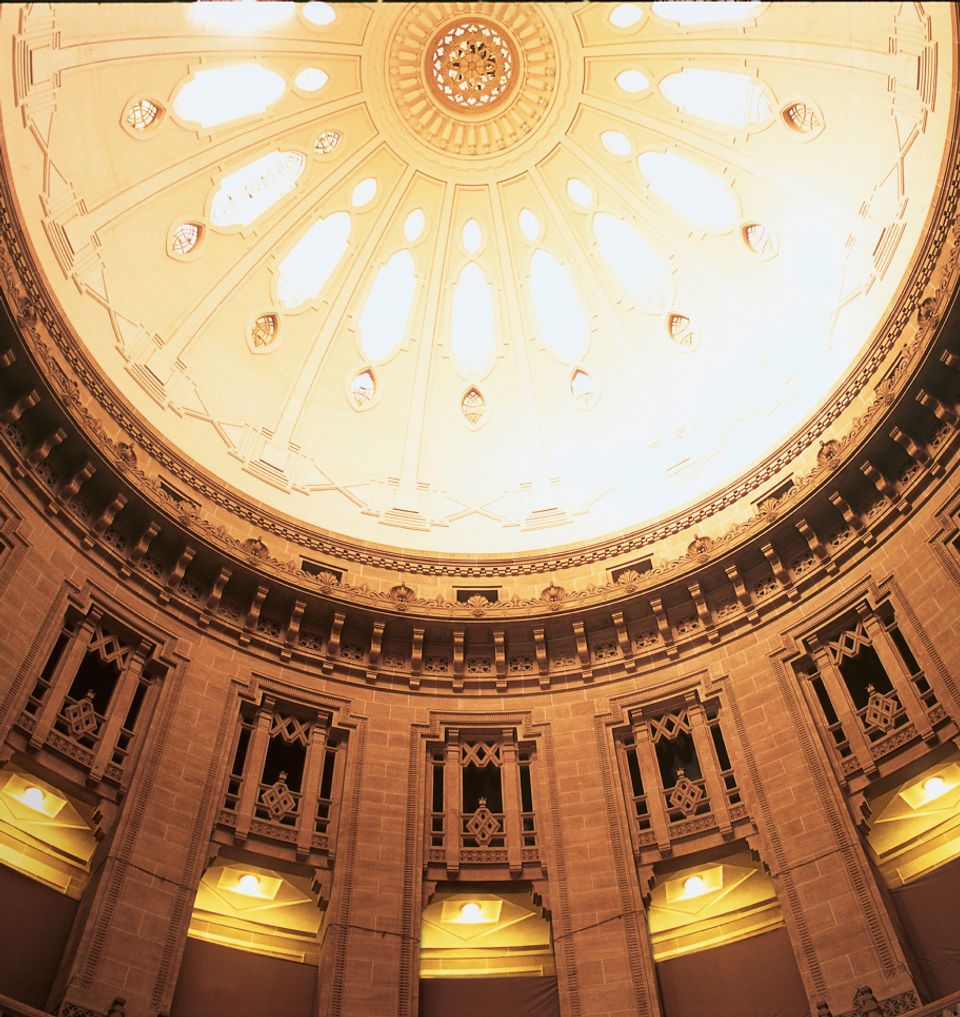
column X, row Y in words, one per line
column 677, row 754
column 284, row 757
column 97, row 676
column 482, row 782
column 861, row 671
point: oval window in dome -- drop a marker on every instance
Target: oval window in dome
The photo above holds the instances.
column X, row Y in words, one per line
column 564, row 327
column 383, row 321
column 580, row 193
column 472, row 329
column 529, row 225
column 220, row 95
column 643, row 274
column 247, row 193
column 694, row 192
column 472, row 236
column 731, row 100
column 318, row 13
column 633, row 81
column 626, row 15
column 364, row 192
column 310, row 79
column 616, row 143
column 414, row 225
column 304, row 271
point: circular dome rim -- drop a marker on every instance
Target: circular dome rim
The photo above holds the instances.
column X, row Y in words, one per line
column 254, row 513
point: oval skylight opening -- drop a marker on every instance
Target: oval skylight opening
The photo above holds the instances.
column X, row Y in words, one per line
column 694, row 192
column 563, row 324
column 248, row 193
column 383, row 321
column 364, row 192
column 626, row 15
column 580, row 193
column 695, row 12
column 305, row 270
column 633, row 81
column 318, row 14
column 643, row 274
column 472, row 331
column 222, row 94
column 616, row 143
column 472, row 236
column 529, row 225
column 733, row 100
column 310, row 79
column 240, row 17
column 414, row 224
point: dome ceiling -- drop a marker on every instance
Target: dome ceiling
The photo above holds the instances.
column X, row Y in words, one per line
column 477, row 278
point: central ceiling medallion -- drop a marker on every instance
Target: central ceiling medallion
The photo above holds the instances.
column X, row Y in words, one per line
column 471, row 65
column 472, row 81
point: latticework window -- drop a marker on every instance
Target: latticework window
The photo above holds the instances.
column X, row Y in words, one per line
column 281, row 782
column 681, row 330
column 802, row 117
column 760, row 239
column 326, row 142
column 265, row 330
column 473, row 406
column 363, row 387
column 185, row 238
column 583, row 388
column 142, row 114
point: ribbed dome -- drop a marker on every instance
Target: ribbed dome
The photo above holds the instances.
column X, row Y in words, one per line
column 478, row 278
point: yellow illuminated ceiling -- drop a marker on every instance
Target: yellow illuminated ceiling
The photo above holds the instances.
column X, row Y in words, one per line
column 476, row 277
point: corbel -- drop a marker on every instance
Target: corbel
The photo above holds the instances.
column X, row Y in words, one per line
column 703, row 612
column 543, row 663
column 293, row 628
column 945, row 414
column 743, row 594
column 623, row 640
column 663, row 626
column 779, row 572
column 376, row 645
column 950, row 360
column 7, row 358
column 916, row 451
column 176, row 573
column 817, row 546
column 253, row 613
column 884, row 486
column 458, row 637
column 16, row 410
column 73, row 485
column 853, row 519
column 416, row 658
column 333, row 642
column 215, row 594
column 500, row 658
column 42, row 451
column 106, row 517
column 583, row 650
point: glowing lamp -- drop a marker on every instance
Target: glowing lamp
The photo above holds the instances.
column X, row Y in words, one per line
column 694, row 886
column 249, row 884
column 33, row 797
column 471, row 911
column 933, row 787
